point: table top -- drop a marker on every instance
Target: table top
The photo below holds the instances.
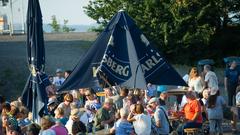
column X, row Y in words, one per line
column 102, row 132
column 178, row 91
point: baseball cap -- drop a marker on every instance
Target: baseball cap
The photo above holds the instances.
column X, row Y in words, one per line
column 59, row 70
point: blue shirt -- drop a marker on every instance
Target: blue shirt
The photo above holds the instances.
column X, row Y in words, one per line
column 123, row 127
column 232, row 76
column 159, row 115
column 217, row 111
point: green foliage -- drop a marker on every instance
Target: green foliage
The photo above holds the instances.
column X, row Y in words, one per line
column 186, row 28
column 65, row 28
column 57, row 28
column 55, row 25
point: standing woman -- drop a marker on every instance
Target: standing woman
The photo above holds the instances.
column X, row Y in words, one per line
column 215, row 106
column 195, row 82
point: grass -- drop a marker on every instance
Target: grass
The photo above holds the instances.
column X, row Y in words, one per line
column 62, row 51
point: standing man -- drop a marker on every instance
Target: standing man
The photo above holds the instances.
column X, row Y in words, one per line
column 211, row 80
column 231, row 80
column 58, row 79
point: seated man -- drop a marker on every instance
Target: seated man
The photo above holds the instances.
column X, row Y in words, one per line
column 122, row 126
column 103, row 116
column 192, row 113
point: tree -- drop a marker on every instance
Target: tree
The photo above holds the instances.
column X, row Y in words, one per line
column 55, row 25
column 65, row 28
column 57, row 28
column 174, row 26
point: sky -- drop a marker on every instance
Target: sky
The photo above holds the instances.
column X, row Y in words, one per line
column 72, row 10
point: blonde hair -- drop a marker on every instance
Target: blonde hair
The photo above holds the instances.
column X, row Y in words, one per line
column 60, row 111
column 193, row 72
column 68, row 97
column 47, row 122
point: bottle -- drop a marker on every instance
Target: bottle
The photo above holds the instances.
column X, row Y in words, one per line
column 175, row 106
column 93, row 130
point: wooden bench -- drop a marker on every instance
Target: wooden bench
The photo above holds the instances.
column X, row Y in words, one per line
column 191, row 131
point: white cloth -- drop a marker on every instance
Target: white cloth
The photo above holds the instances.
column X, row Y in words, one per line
column 204, row 101
column 238, row 99
column 211, row 80
column 196, row 84
column 184, row 101
column 69, row 126
column 84, row 118
column 186, row 78
column 47, row 132
column 142, row 125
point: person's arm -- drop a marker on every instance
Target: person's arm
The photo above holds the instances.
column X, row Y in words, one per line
column 195, row 116
column 206, row 79
column 112, row 130
column 130, row 117
column 197, row 110
column 108, row 121
column 225, row 83
column 157, row 117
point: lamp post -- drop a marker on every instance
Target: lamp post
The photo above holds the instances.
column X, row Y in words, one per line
column 23, row 21
column 11, row 17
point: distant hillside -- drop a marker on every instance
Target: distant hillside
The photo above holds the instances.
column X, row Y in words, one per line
column 78, row 28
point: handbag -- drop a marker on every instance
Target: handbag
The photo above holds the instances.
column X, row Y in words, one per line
column 170, row 127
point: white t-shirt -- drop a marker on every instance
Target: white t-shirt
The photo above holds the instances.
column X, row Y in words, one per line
column 196, row 84
column 142, row 125
column 58, row 81
column 211, row 80
column 69, row 126
column 67, row 109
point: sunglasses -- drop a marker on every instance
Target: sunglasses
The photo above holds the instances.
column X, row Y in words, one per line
column 69, row 101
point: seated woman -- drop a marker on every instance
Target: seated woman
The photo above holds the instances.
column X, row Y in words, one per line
column 192, row 112
column 141, row 122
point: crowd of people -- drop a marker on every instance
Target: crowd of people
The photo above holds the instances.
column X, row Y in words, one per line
column 125, row 111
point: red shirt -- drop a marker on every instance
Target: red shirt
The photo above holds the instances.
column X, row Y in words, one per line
column 192, row 107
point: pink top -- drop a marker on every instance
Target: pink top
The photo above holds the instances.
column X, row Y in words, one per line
column 59, row 130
